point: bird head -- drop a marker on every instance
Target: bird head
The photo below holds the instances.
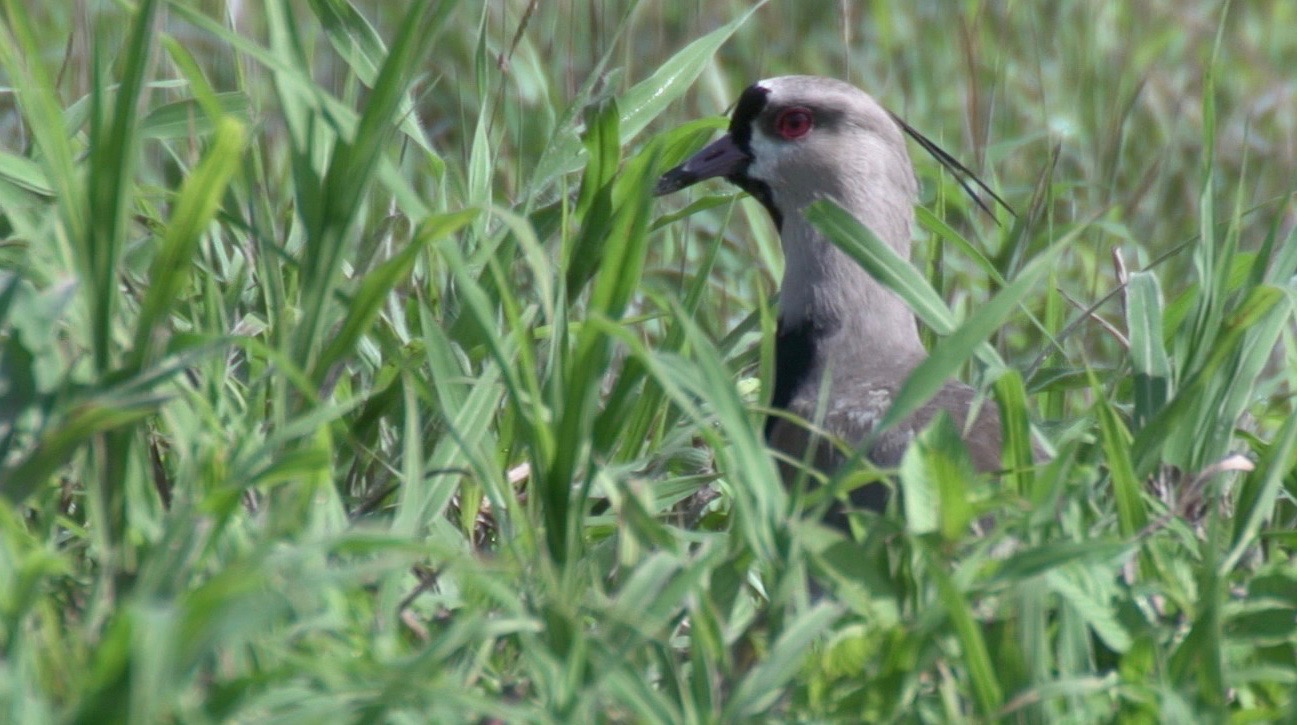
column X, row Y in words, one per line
column 795, row 139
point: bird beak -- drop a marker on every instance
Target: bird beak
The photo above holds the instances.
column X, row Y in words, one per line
column 722, row 157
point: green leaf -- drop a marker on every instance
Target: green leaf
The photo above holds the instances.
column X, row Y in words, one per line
column 1127, row 489
column 187, row 118
column 883, row 263
column 374, row 290
column 195, row 207
column 935, row 472
column 25, row 174
column 1044, row 558
column 62, row 442
column 1088, row 594
column 1261, row 488
column 981, row 671
column 114, row 139
column 952, row 351
column 764, row 684
column 335, row 204
column 359, row 44
column 1018, row 452
column 1148, row 357
column 648, row 98
column 594, row 206
column 39, row 102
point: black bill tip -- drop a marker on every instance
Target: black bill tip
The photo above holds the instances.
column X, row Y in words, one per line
column 722, row 157
column 674, row 180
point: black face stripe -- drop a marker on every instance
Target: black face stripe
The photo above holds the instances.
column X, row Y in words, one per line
column 747, row 112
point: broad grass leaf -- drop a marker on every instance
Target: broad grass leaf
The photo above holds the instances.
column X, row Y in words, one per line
column 935, row 473
column 648, row 98
column 1148, row 356
column 186, row 118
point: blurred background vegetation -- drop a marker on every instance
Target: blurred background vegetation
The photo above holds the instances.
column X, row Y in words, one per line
column 350, row 374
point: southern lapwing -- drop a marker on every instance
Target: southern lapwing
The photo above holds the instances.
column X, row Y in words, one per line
column 843, row 337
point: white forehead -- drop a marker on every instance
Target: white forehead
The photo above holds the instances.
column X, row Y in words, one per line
column 828, row 91
column 783, row 87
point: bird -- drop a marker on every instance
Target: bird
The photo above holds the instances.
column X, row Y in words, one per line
column 844, row 343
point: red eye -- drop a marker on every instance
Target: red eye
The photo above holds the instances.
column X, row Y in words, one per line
column 794, row 123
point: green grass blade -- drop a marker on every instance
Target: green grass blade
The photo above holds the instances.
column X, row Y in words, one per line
column 953, row 350
column 981, row 670
column 647, row 99
column 374, row 289
column 1018, row 452
column 350, row 169
column 883, row 263
column 1256, row 498
column 1126, row 486
column 195, row 207
column 110, row 168
column 1148, row 356
column 762, row 686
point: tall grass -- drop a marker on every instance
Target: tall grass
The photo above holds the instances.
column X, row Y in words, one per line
column 350, row 372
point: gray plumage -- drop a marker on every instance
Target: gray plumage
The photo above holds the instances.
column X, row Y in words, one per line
column 844, row 337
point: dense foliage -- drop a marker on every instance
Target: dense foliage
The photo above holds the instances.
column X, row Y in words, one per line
column 348, row 370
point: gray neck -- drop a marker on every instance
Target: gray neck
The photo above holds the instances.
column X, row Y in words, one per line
column 857, row 320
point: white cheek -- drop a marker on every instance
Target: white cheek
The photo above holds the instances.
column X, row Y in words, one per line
column 767, row 155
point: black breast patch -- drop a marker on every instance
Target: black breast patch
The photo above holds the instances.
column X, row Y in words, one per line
column 794, row 357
